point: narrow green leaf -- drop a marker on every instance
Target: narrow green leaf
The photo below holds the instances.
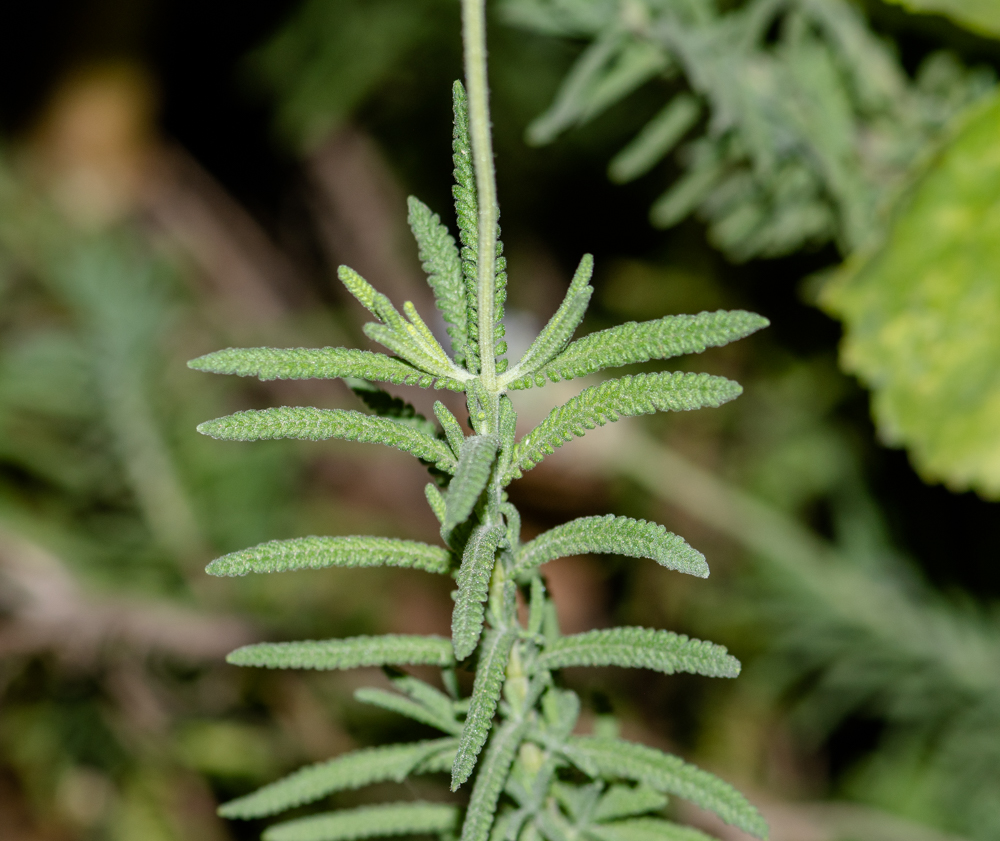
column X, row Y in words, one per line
column 642, row 394
column 635, row 342
column 350, row 653
column 310, row 424
column 428, row 696
column 441, row 261
column 368, row 822
column 621, row 801
column 483, row 703
column 490, row 781
column 616, row 758
column 560, row 328
column 656, row 139
column 403, row 339
column 436, row 501
column 571, row 100
column 385, row 405
column 321, row 552
column 362, row 290
column 473, row 587
column 452, row 428
column 408, row 339
column 406, row 707
column 267, row 363
column 612, row 535
column 646, row 829
column 472, row 472
column 688, row 191
column 347, row 771
column 467, row 213
column 644, row 648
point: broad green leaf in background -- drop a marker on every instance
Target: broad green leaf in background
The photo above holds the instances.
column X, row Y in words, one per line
column 922, row 314
column 981, row 16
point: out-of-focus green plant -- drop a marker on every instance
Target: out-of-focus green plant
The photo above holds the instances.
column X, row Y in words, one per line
column 803, row 124
column 105, row 508
column 329, row 56
column 922, row 314
column 808, row 129
column 535, row 779
column 982, row 16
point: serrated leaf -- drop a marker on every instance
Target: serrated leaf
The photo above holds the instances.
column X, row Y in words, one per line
column 321, row 552
column 472, row 472
column 486, row 690
column 656, row 139
column 612, row 535
column 645, row 648
column 309, row 424
column 406, row 707
column 621, row 801
column 267, row 363
column 616, row 758
column 473, row 587
column 560, row 328
column 440, row 260
column 922, row 315
column 368, row 822
column 349, row 653
column 642, row 394
column 467, row 214
column 493, row 773
column 635, row 342
column 645, row 829
column 345, row 772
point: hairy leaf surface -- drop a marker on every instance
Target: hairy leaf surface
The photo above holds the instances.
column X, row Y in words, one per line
column 309, row 424
column 613, row 535
column 368, row 822
column 320, row 552
column 645, row 648
column 642, row 394
column 471, row 475
column 490, row 781
column 348, row 771
column 350, row 653
column 267, row 363
column 483, row 703
column 473, row 586
column 440, row 259
column 616, row 758
column 467, row 213
column 560, row 328
column 634, row 342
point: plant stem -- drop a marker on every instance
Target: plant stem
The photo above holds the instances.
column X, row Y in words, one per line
column 474, row 38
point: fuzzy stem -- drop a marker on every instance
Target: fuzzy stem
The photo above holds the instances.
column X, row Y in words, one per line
column 474, row 37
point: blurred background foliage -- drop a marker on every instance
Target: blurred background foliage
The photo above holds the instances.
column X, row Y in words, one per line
column 178, row 177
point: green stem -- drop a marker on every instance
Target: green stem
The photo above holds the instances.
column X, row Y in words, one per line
column 474, row 37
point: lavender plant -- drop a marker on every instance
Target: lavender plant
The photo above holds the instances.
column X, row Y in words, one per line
column 532, row 776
